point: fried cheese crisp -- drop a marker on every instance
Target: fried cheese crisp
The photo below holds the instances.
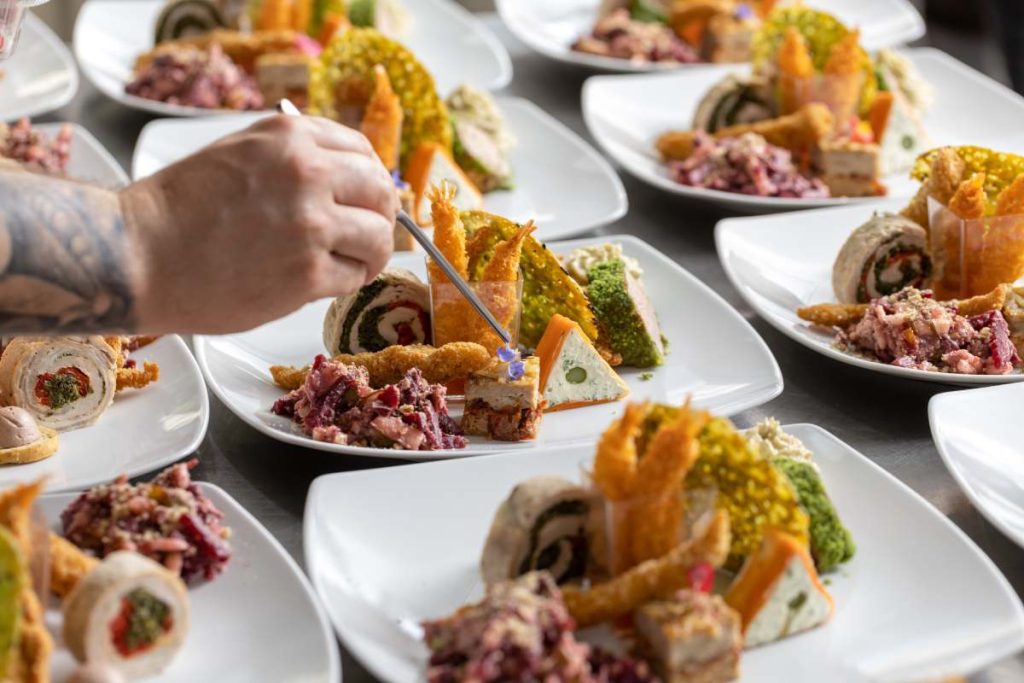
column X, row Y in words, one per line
column 441, row 365
column 654, row 578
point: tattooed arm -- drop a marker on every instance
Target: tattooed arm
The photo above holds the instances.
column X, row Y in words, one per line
column 244, row 231
column 63, row 258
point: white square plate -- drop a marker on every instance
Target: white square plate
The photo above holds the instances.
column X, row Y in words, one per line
column 88, row 160
column 453, row 45
column 626, row 114
column 919, row 601
column 977, row 433
column 551, row 26
column 141, row 431
column 258, row 621
column 782, row 262
column 573, row 190
column 40, row 76
column 714, row 354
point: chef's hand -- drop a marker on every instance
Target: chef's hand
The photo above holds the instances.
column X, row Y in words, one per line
column 257, row 224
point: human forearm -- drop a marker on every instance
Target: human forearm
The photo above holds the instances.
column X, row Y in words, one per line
column 66, row 263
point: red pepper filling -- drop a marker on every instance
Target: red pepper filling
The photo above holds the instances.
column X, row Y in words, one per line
column 140, row 623
column 49, row 385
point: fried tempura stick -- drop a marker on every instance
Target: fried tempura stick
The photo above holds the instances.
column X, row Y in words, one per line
column 832, row 315
column 68, row 564
column 651, row 579
column 796, row 132
column 845, row 315
column 795, row 71
column 449, row 233
column 439, row 365
column 136, row 378
column 382, row 122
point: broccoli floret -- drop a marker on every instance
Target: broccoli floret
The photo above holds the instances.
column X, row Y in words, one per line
column 831, row 542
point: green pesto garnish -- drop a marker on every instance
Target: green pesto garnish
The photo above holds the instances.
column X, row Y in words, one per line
column 61, row 390
column 147, row 620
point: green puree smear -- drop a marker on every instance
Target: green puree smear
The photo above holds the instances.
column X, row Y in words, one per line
column 142, row 620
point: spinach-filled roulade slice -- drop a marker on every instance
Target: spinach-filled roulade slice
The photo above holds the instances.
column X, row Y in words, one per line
column 542, row 525
column 63, row 382
column 881, row 257
column 392, row 310
column 129, row 614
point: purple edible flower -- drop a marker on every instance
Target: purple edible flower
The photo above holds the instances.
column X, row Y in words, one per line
column 506, row 354
column 516, row 369
column 396, row 177
column 743, row 12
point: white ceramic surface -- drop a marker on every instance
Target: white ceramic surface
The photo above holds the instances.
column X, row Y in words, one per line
column 143, row 430
column 258, row 621
column 782, row 262
column 40, row 77
column 561, row 182
column 454, row 46
column 551, row 26
column 88, row 160
column 626, row 114
column 919, row 601
column 978, row 436
column 714, row 355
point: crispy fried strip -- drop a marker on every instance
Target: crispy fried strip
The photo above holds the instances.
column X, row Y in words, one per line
column 845, row 315
column 449, row 233
column 944, row 177
column 68, row 564
column 795, row 70
column 832, row 315
column 438, row 365
column 796, row 132
column 616, row 460
column 1011, row 198
column 382, row 122
column 136, row 378
column 651, row 579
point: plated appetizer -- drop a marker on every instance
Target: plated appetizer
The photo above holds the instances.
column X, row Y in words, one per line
column 224, row 54
column 817, row 116
column 931, row 288
column 681, row 32
column 668, row 546
column 400, row 344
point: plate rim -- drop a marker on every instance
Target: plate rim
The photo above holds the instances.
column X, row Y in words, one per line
column 239, row 510
column 1008, row 643
column 749, row 203
column 935, row 404
column 727, row 232
column 487, row 36
column 48, row 36
column 915, row 29
column 572, row 138
column 758, row 397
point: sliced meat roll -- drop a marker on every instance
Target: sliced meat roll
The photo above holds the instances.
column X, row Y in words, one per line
column 543, row 524
column 881, row 257
column 64, row 382
column 393, row 309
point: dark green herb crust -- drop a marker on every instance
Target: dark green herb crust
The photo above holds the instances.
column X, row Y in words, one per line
column 617, row 314
column 831, row 542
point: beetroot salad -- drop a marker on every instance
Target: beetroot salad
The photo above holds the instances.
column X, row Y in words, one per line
column 620, row 36
column 336, row 404
column 168, row 520
column 196, row 78
column 521, row 631
column 910, row 329
column 28, row 146
column 746, row 164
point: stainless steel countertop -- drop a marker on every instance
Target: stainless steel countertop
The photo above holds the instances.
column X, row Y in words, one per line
column 884, row 418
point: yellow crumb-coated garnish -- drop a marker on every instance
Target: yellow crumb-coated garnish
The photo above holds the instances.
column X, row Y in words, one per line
column 344, row 76
column 754, row 493
column 1000, row 168
column 547, row 288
